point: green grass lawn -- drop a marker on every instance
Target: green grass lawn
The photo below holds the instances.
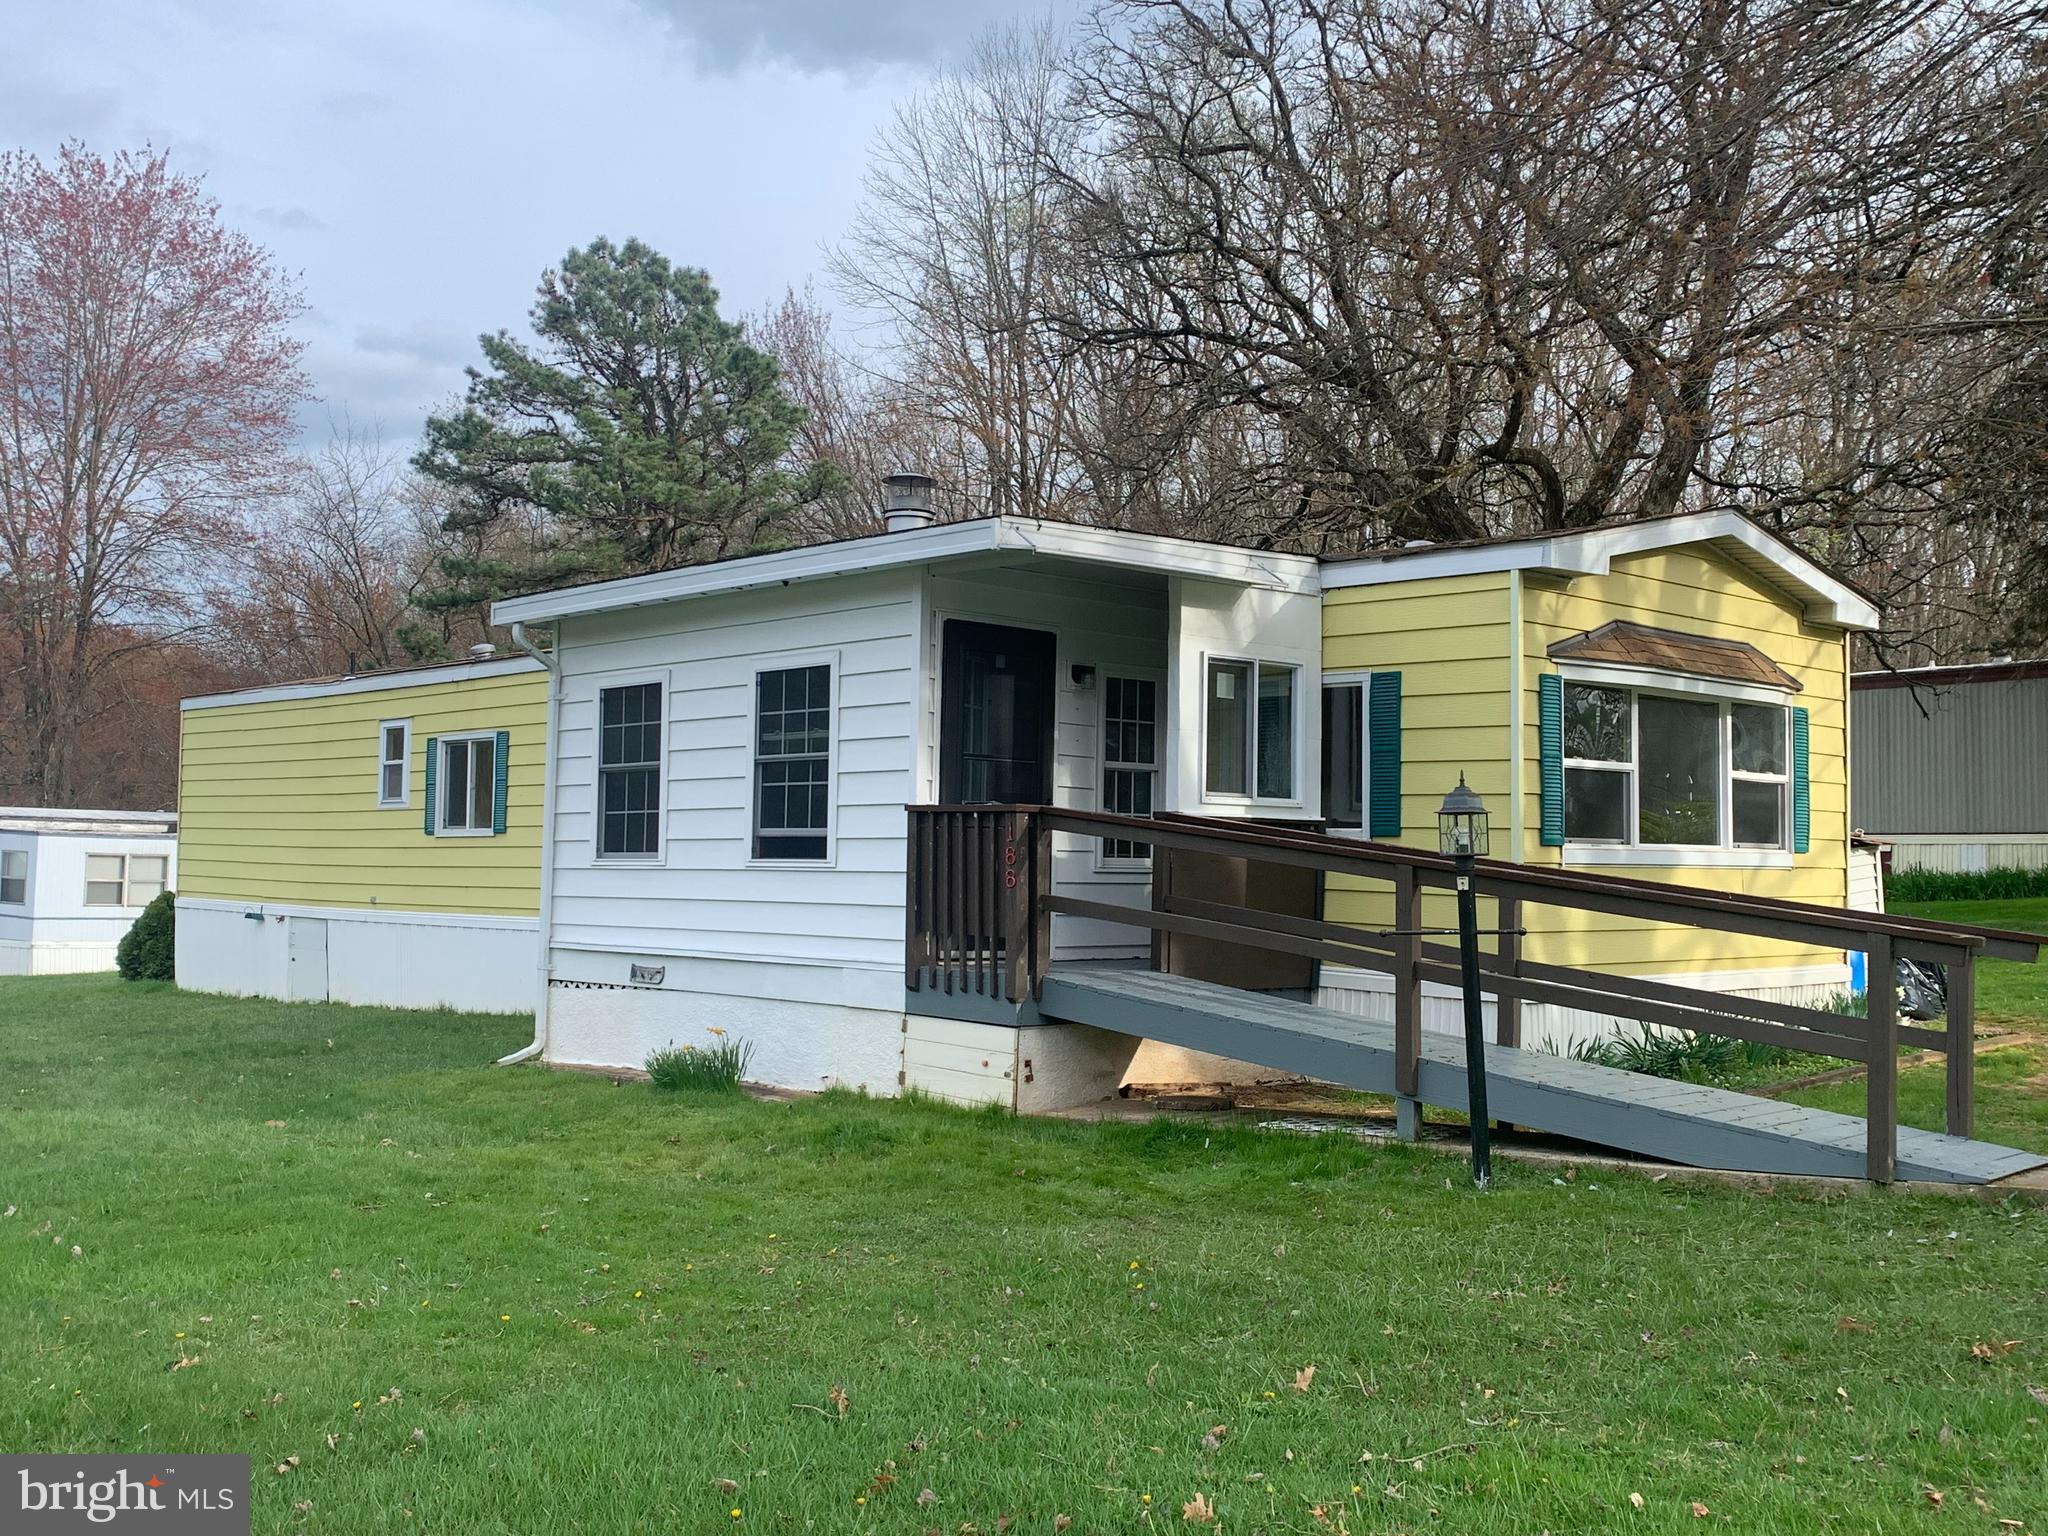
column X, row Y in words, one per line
column 502, row 1300
column 2005, row 988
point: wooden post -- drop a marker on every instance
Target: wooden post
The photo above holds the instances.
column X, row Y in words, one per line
column 1507, row 1011
column 1407, row 1004
column 1041, row 914
column 913, row 903
column 1962, row 1046
column 1015, row 865
column 1881, row 1105
column 1162, row 892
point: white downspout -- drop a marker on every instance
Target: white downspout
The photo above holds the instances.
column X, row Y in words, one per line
column 545, row 969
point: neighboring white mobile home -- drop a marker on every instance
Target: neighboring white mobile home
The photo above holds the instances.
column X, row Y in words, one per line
column 73, row 882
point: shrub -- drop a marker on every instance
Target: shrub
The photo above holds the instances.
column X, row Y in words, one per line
column 1674, row 1054
column 1960, row 885
column 720, row 1066
column 148, row 951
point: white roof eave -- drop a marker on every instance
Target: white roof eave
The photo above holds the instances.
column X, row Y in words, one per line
column 1592, row 552
column 941, row 541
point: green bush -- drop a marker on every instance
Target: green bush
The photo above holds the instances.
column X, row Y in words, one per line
column 148, row 951
column 1959, row 885
column 720, row 1066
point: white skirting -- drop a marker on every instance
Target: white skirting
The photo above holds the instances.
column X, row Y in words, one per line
column 1969, row 855
column 54, row 957
column 356, row 955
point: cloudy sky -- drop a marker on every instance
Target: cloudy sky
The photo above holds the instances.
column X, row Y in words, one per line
column 419, row 164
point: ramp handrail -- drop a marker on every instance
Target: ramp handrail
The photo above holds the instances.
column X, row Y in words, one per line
column 980, row 903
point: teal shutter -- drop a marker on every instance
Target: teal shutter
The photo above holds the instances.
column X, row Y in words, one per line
column 498, row 786
column 1550, row 756
column 433, row 756
column 1802, row 789
column 1383, row 755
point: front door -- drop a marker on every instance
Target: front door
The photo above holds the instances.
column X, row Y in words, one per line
column 996, row 700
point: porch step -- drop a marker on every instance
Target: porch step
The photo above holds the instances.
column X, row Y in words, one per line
column 1680, row 1122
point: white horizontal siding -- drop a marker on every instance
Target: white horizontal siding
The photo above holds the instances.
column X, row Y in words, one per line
column 705, row 896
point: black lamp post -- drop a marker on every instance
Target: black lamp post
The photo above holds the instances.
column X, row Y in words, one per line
column 1461, row 830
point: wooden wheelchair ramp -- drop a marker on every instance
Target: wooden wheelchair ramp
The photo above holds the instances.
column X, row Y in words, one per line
column 1679, row 1122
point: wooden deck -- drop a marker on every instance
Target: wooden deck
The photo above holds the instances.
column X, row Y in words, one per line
column 1680, row 1122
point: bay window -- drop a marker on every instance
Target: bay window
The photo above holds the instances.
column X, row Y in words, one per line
column 1650, row 769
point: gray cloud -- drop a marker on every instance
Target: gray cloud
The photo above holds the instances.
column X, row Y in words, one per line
column 293, row 217
column 849, row 35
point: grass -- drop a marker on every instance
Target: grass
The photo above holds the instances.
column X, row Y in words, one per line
column 720, row 1064
column 601, row 1303
column 2006, row 989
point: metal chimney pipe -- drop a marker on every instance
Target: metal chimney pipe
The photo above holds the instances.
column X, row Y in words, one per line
column 907, row 502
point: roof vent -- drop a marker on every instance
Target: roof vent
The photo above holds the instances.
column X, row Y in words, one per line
column 907, row 502
column 482, row 651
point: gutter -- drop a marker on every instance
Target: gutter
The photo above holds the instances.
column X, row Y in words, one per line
column 545, row 966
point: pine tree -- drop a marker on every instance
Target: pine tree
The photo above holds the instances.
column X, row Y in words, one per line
column 641, row 432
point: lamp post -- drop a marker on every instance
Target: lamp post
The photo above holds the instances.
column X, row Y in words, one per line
column 1461, row 832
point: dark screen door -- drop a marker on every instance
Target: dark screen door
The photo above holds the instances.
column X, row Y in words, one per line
column 996, row 692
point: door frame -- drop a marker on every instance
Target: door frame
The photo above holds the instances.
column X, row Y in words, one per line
column 1050, row 745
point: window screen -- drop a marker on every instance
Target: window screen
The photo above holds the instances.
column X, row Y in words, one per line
column 792, row 762
column 629, row 770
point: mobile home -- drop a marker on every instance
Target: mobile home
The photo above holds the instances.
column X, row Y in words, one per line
column 73, row 882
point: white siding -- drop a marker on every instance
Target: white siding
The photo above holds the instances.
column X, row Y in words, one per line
column 54, row 931
column 705, row 896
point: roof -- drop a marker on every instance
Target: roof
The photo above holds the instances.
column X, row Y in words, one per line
column 1948, row 677
column 1623, row 643
column 37, row 818
column 422, row 675
column 1158, row 553
column 1827, row 598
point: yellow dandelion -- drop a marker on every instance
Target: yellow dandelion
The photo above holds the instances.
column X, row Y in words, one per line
column 426, row 1303
column 357, row 1404
column 1144, row 1498
column 177, row 1335
column 1265, row 1394
column 1355, row 1488
column 860, row 1498
column 1140, row 1285
column 504, row 1317
column 736, row 1515
column 636, row 1295
column 1134, row 1263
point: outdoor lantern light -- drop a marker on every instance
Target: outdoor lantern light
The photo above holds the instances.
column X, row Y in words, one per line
column 1461, row 822
column 1461, row 825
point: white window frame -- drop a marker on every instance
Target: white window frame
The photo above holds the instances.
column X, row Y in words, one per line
column 466, row 740
column 1104, row 864
column 1362, row 681
column 403, row 761
column 22, row 855
column 127, row 903
column 790, row 662
column 1727, row 853
column 603, row 685
column 1294, row 798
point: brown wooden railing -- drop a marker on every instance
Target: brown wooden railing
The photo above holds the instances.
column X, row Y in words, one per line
column 981, row 902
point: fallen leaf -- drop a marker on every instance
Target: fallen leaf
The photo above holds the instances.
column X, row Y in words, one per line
column 2039, row 1395
column 1932, row 1495
column 333, row 1440
column 1636, row 1499
column 1199, row 1510
column 275, row 1125
column 289, row 1464
column 1303, row 1377
column 1991, row 1349
column 839, row 1401
column 183, row 1362
column 1852, row 1325
column 1215, row 1436
column 1699, row 1510
column 1061, row 1522
column 926, row 1498
column 727, row 1486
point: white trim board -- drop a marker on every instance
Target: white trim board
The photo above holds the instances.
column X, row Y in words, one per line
column 361, row 914
column 942, row 541
column 1592, row 552
column 369, row 682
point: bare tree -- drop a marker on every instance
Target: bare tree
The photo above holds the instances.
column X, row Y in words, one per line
column 147, row 382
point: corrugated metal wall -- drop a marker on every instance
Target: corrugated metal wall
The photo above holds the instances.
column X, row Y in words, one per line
column 1975, row 762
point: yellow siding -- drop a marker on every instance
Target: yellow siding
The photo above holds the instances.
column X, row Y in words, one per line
column 278, row 801
column 1453, row 641
column 1695, row 590
column 1448, row 637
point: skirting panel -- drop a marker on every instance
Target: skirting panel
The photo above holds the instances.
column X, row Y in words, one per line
column 348, row 955
column 795, row 1044
column 31, row 959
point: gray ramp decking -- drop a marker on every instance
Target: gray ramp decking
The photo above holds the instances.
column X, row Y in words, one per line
column 1680, row 1122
